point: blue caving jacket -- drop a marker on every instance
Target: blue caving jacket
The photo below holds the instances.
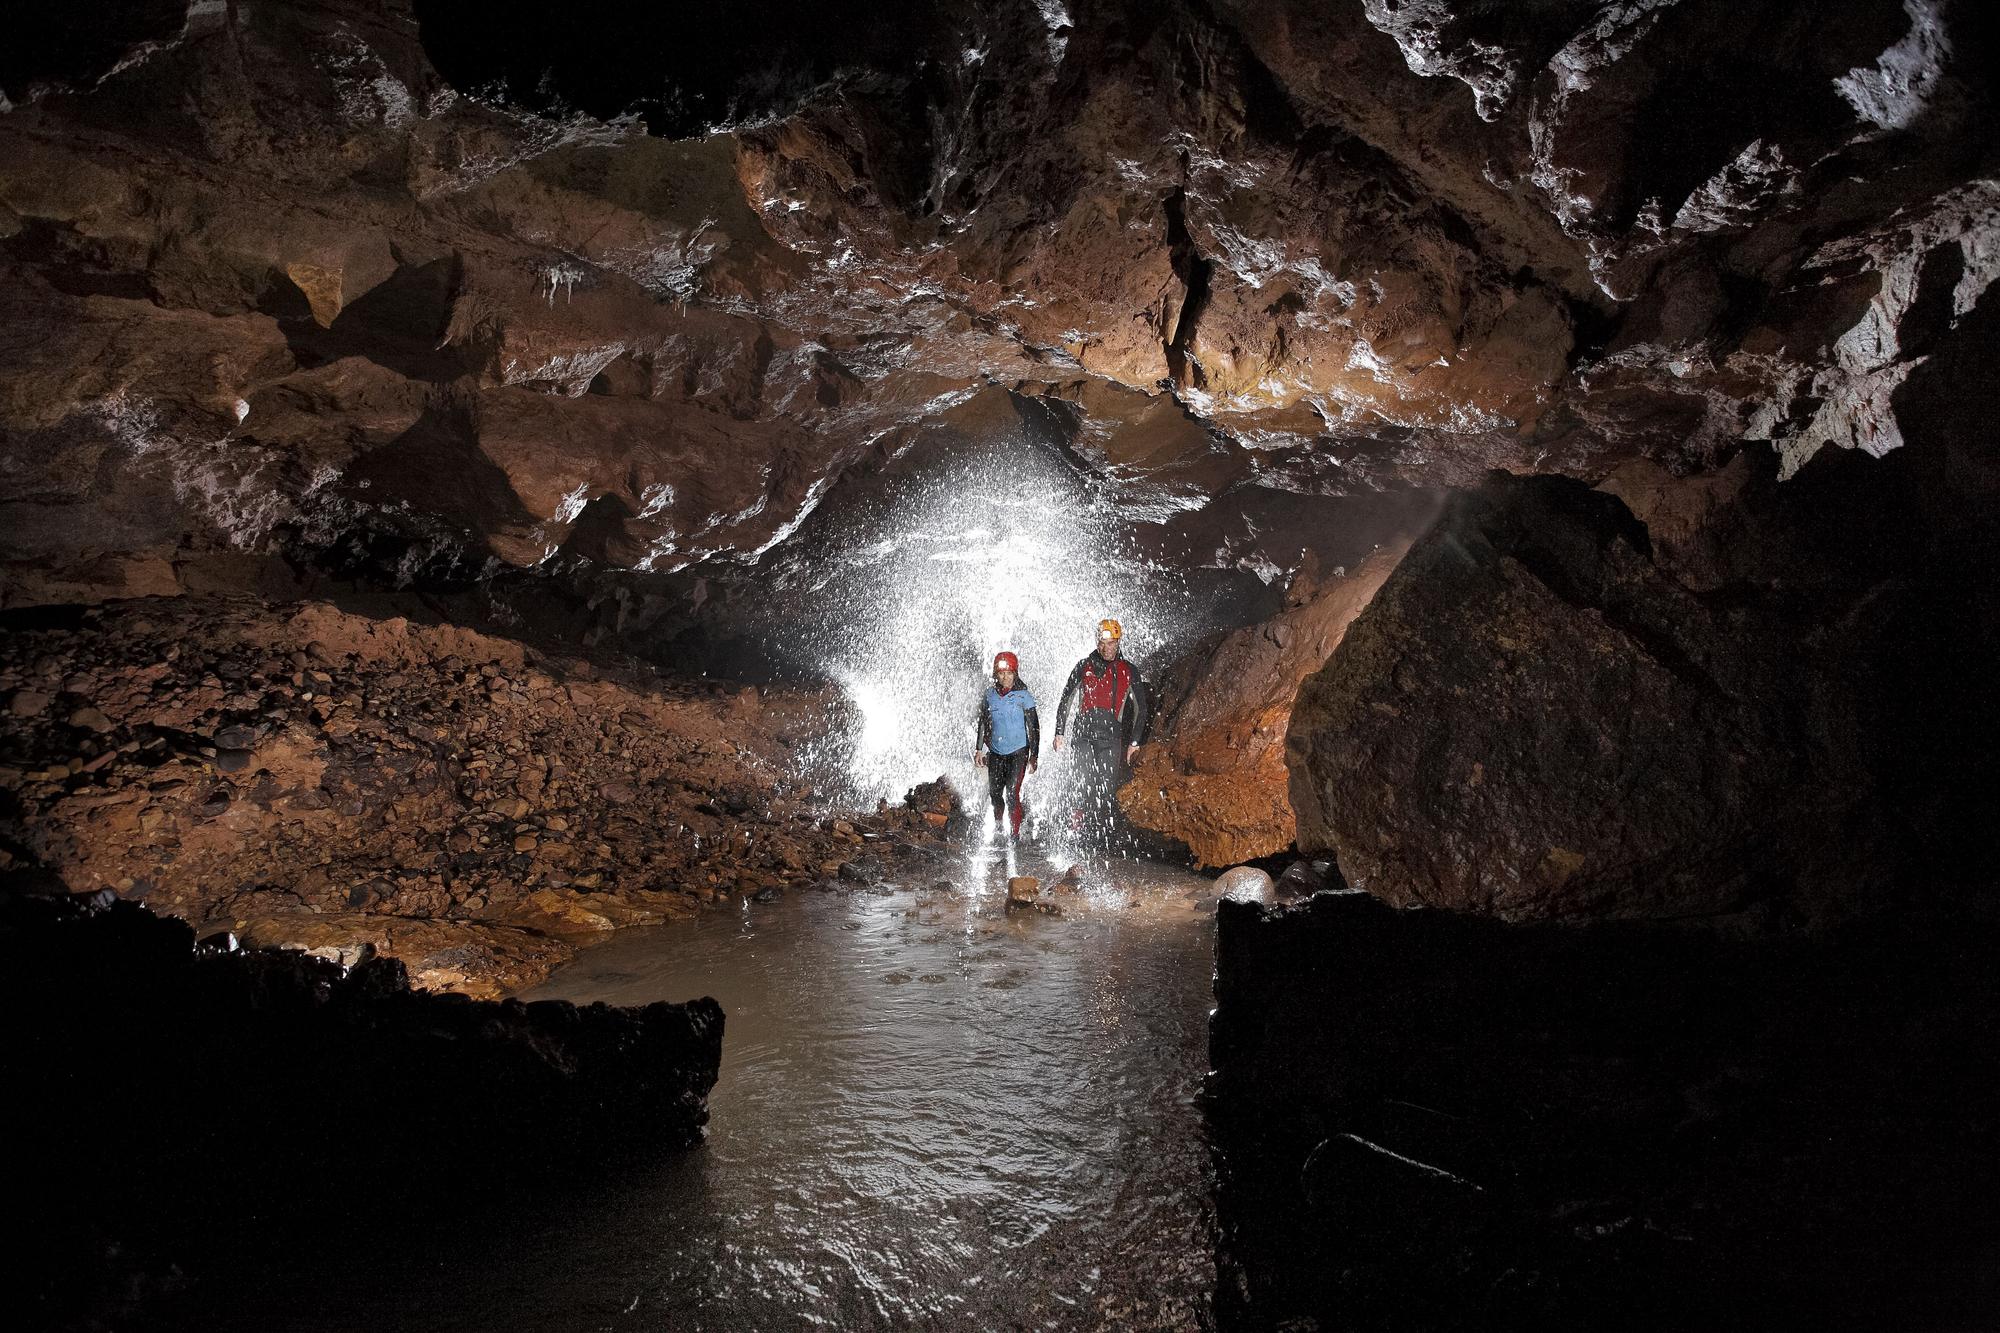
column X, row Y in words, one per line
column 1008, row 722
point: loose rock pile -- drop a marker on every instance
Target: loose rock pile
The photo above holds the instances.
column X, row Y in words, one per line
column 326, row 780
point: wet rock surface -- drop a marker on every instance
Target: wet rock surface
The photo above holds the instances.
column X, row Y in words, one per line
column 403, row 289
column 1214, row 777
column 337, row 781
column 225, row 1108
column 1423, row 1120
column 1548, row 711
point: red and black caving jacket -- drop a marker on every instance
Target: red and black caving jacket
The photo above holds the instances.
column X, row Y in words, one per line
column 1101, row 687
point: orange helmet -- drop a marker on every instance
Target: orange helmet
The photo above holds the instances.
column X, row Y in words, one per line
column 1110, row 629
column 1007, row 662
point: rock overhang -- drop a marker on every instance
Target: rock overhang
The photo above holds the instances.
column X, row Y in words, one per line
column 372, row 279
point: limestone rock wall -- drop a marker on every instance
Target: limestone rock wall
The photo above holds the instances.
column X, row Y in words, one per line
column 271, row 283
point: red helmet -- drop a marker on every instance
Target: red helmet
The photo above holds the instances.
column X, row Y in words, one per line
column 1007, row 662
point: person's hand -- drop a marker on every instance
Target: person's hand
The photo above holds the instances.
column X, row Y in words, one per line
column 979, row 759
column 1032, row 764
column 1058, row 743
column 1130, row 750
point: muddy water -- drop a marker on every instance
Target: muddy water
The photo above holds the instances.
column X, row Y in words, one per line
column 932, row 1113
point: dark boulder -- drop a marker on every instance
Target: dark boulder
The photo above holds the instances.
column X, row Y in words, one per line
column 1536, row 718
column 1424, row 1120
column 202, row 1113
column 1302, row 879
column 1215, row 778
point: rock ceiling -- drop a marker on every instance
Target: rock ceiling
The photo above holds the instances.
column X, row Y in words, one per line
column 431, row 288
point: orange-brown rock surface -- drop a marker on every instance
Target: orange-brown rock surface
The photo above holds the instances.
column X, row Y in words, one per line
column 334, row 781
column 1215, row 775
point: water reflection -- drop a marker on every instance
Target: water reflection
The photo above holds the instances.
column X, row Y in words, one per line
column 932, row 1113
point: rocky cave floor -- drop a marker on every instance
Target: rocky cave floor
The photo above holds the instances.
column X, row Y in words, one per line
column 1553, row 1125
column 351, row 783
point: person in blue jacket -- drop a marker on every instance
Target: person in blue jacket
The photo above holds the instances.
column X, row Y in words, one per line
column 1010, row 740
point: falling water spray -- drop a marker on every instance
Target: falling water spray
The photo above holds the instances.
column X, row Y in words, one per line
column 1008, row 551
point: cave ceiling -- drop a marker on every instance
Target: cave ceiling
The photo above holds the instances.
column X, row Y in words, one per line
column 451, row 287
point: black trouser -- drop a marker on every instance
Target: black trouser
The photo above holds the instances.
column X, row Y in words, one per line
column 1095, row 763
column 1004, row 775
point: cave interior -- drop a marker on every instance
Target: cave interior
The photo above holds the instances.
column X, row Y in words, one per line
column 486, row 480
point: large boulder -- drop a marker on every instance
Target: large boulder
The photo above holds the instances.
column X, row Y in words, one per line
column 1536, row 718
column 1216, row 778
column 227, row 1105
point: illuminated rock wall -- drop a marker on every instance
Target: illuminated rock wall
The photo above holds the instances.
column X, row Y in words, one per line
column 273, row 282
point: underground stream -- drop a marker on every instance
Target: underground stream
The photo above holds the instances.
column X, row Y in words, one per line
column 933, row 1112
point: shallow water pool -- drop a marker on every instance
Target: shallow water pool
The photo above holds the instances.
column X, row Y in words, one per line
column 932, row 1113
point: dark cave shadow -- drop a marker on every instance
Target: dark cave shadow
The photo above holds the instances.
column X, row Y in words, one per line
column 599, row 532
column 268, row 1126
column 399, row 324
column 438, row 467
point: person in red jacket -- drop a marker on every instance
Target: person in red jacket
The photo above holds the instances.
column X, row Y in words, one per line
column 1106, row 705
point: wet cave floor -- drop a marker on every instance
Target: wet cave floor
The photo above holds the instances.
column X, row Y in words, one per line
column 932, row 1113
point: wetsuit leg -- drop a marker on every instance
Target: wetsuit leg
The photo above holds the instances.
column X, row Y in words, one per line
column 1096, row 771
column 1004, row 775
column 1016, row 808
column 998, row 776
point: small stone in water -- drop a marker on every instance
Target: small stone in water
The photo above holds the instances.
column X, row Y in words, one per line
column 1300, row 880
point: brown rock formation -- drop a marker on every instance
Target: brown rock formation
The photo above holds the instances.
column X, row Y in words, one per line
column 1217, row 779
column 1553, row 709
column 280, row 296
column 333, row 782
column 268, row 282
column 607, row 325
